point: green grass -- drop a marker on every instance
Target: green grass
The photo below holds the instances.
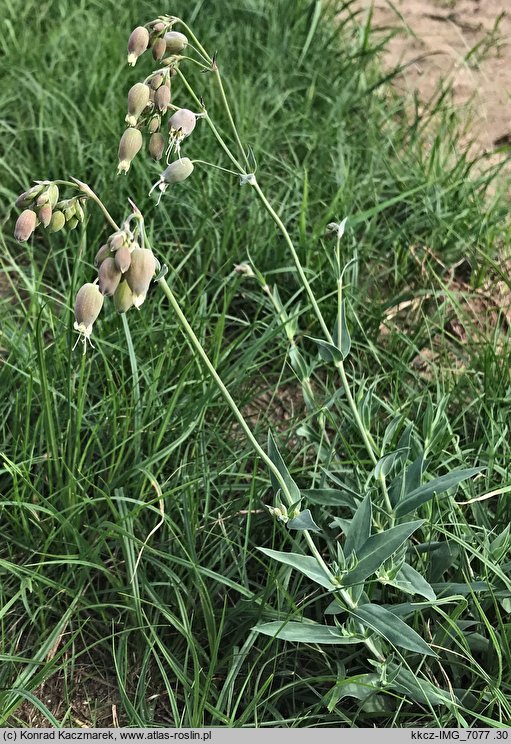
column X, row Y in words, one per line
column 86, row 475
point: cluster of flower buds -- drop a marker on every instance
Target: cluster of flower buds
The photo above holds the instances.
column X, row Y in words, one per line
column 149, row 101
column 125, row 271
column 41, row 206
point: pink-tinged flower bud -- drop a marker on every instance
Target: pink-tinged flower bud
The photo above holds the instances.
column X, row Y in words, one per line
column 159, row 48
column 156, row 146
column 175, row 42
column 25, row 225
column 88, row 304
column 45, row 214
column 177, row 171
column 122, row 259
column 182, row 122
column 137, row 44
column 28, row 197
column 140, row 273
column 162, row 98
column 123, row 297
column 154, row 124
column 117, row 239
column 57, row 221
column 104, row 252
column 156, row 81
column 43, row 198
column 158, row 26
column 138, row 98
column 109, row 277
column 129, row 146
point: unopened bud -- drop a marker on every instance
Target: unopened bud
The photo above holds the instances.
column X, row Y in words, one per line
column 53, row 194
column 109, row 277
column 162, row 98
column 156, row 81
column 123, row 297
column 43, row 198
column 140, row 273
column 154, row 124
column 79, row 213
column 122, row 259
column 129, row 146
column 159, row 48
column 138, row 98
column 28, row 197
column 137, row 44
column 156, row 145
column 117, row 239
column 57, row 221
column 25, row 225
column 158, row 26
column 104, row 252
column 72, row 223
column 45, row 214
column 175, row 42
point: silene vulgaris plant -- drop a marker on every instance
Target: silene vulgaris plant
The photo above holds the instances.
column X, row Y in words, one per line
column 383, row 537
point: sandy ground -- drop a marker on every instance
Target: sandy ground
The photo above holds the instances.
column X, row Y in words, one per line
column 467, row 42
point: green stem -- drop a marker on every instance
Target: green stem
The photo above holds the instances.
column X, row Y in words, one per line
column 188, row 330
column 136, row 384
column 230, row 117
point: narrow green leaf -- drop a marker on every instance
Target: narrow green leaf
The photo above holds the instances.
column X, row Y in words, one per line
column 386, row 463
column 377, row 549
column 359, row 528
column 328, row 497
column 392, row 628
column 424, row 493
column 417, row 689
column 342, row 341
column 327, row 351
column 303, row 563
column 306, row 633
column 276, row 458
column 303, row 521
column 410, row 581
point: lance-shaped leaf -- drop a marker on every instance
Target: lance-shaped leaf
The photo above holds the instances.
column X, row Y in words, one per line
column 392, row 628
column 377, row 549
column 359, row 529
column 425, row 493
column 307, row 633
column 307, row 565
column 303, row 521
column 276, row 458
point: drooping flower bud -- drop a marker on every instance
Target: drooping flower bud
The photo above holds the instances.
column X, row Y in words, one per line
column 129, row 146
column 182, row 122
column 177, row 171
column 137, row 44
column 25, row 225
column 162, row 98
column 104, row 252
column 88, row 304
column 45, row 214
column 53, row 194
column 28, row 197
column 117, row 239
column 79, row 213
column 158, row 26
column 181, row 125
column 159, row 48
column 122, row 259
column 57, row 221
column 175, row 42
column 154, row 124
column 156, row 145
column 156, row 81
column 138, row 98
column 72, row 223
column 109, row 277
column 43, row 198
column 140, row 273
column 123, row 297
